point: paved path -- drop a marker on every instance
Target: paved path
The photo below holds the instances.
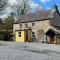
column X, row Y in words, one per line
column 28, row 51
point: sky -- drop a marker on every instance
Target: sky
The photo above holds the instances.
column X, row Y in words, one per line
column 47, row 4
column 42, row 4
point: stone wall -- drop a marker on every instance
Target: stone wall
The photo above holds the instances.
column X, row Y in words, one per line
column 16, row 27
column 40, row 28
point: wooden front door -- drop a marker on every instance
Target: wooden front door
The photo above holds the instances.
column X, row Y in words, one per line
column 52, row 40
column 26, row 36
column 51, row 35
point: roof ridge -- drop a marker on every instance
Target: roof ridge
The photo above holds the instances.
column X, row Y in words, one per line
column 39, row 15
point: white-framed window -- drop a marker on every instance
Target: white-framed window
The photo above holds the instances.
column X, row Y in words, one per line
column 26, row 25
column 33, row 34
column 33, row 24
column 20, row 25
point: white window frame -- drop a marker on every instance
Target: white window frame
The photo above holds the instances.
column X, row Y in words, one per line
column 21, row 25
column 26, row 25
column 33, row 24
column 33, row 35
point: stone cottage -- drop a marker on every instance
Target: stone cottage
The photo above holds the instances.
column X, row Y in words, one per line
column 45, row 25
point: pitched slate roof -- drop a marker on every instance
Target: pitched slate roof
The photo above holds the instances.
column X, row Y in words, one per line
column 40, row 15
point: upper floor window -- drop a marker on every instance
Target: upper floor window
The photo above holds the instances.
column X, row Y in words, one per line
column 26, row 25
column 20, row 25
column 33, row 24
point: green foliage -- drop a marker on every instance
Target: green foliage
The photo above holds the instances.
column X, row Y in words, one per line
column 1, row 26
column 56, row 7
column 2, row 33
column 8, row 25
column 1, row 37
column 1, row 20
column 58, row 36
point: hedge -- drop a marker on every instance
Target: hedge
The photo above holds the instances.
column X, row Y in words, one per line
column 2, row 33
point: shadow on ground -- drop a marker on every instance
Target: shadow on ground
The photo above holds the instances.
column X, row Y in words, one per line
column 49, row 52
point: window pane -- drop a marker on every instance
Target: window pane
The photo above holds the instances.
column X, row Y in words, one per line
column 26, row 25
column 20, row 25
column 33, row 34
column 19, row 34
column 33, row 24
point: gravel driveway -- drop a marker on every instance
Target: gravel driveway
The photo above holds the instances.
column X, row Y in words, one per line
column 28, row 51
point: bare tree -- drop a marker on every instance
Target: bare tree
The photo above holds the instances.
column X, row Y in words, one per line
column 3, row 4
column 20, row 8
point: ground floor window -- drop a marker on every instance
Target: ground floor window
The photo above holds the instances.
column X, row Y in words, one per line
column 58, row 38
column 33, row 34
